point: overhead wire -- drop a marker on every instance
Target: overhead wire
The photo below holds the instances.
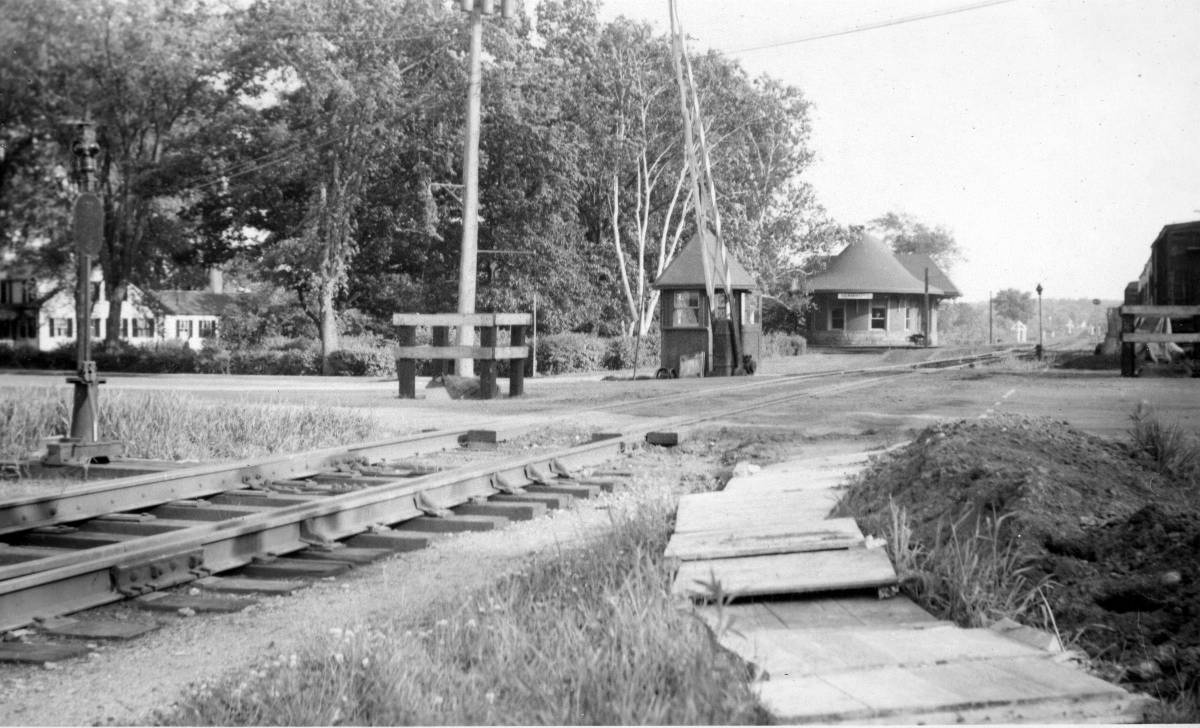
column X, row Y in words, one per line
column 874, row 26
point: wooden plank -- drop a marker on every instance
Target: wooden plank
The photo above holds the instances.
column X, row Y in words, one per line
column 784, row 652
column 1172, row 311
column 814, row 571
column 834, row 533
column 864, row 611
column 1146, row 337
column 462, row 352
column 784, row 481
column 462, row 319
column 813, row 700
column 723, row 511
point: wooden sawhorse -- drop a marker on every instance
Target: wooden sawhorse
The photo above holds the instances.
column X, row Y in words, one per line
column 485, row 355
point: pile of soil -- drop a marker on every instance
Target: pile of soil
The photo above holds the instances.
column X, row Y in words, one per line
column 1120, row 541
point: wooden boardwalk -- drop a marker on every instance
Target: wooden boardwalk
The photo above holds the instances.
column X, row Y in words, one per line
column 830, row 641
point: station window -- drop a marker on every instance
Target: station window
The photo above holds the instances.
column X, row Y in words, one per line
column 879, row 317
column 910, row 318
column 837, row 317
column 685, row 308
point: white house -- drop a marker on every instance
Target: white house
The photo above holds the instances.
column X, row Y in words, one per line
column 146, row 317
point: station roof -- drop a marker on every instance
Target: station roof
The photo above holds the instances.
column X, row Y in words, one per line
column 916, row 263
column 687, row 270
column 868, row 266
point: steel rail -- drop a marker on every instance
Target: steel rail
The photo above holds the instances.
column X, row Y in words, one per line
column 155, row 488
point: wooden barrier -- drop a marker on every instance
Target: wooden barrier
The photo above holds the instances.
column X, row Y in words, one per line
column 1131, row 337
column 485, row 355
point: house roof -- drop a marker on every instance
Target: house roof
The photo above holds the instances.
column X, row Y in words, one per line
column 916, row 263
column 868, row 266
column 191, row 303
column 687, row 270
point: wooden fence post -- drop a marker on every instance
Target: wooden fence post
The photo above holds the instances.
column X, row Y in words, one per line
column 406, row 369
column 516, row 367
column 487, row 367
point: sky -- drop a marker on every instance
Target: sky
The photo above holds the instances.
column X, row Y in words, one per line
column 1053, row 138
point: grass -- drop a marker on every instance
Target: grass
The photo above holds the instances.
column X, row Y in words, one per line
column 588, row 635
column 174, row 426
column 974, row 576
column 1173, row 450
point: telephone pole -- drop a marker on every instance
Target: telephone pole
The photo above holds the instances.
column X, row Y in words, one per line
column 468, row 263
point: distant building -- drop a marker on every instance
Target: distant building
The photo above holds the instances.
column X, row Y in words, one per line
column 146, row 316
column 870, row 296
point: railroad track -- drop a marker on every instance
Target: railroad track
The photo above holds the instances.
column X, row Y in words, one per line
column 280, row 518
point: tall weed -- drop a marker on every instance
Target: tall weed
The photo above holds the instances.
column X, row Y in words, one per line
column 588, row 635
column 973, row 576
column 175, row 426
column 1172, row 449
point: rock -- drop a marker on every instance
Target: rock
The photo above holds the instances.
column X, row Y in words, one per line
column 461, row 387
column 1171, row 578
column 743, row 468
column 186, row 612
column 1146, row 670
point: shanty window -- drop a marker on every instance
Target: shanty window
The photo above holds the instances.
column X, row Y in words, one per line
column 60, row 328
column 685, row 309
column 837, row 317
column 879, row 317
column 208, row 329
column 721, row 309
column 183, row 329
column 751, row 309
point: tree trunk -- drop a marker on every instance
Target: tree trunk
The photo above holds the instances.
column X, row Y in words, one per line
column 329, row 331
column 116, row 299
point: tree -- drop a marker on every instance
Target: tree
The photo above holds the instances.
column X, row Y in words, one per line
column 1014, row 305
column 906, row 234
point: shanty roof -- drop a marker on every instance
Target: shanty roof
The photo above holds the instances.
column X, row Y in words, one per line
column 868, row 266
column 916, row 263
column 687, row 270
column 191, row 303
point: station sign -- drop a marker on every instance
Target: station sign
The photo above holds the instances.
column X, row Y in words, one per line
column 855, row 296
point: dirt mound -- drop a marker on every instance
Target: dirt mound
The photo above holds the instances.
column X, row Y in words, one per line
column 1052, row 480
column 1120, row 542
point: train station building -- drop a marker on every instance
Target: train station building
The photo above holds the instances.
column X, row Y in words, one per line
column 870, row 296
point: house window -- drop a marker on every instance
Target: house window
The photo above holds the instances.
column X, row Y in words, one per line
column 837, row 317
column 879, row 317
column 5, row 291
column 207, row 329
column 183, row 329
column 142, row 328
column 96, row 328
column 685, row 308
column 60, row 328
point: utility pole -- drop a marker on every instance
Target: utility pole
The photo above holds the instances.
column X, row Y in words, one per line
column 467, row 272
column 1041, row 340
column 991, row 338
column 84, row 445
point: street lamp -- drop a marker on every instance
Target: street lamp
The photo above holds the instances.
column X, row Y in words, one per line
column 1041, row 341
column 470, row 233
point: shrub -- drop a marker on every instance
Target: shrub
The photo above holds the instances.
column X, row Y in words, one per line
column 777, row 344
column 375, row 361
column 570, row 352
column 618, row 352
